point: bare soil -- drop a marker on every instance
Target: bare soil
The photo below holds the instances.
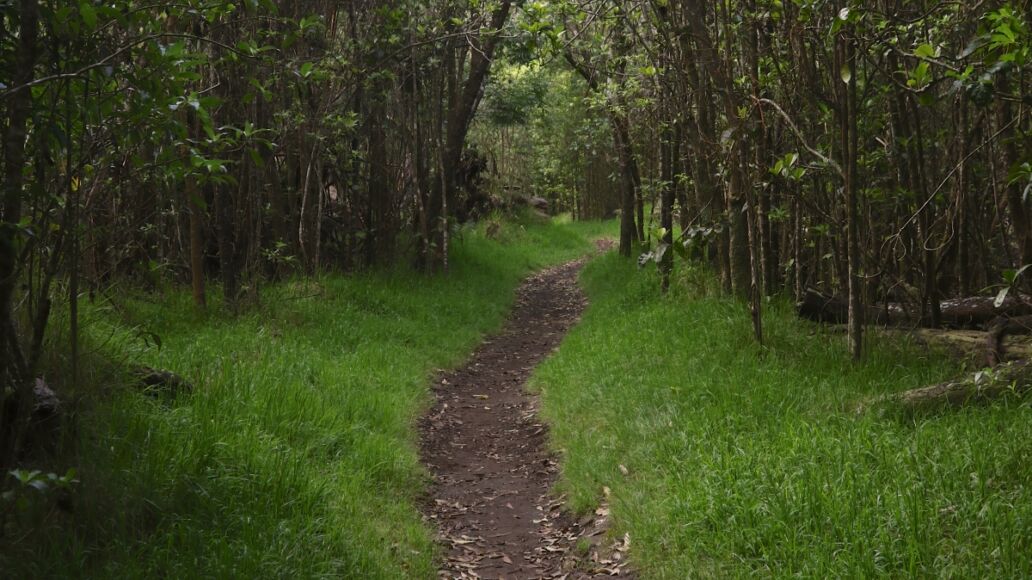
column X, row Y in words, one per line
column 486, row 449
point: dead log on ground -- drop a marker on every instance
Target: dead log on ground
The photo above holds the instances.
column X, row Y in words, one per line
column 1000, row 329
column 157, row 382
column 820, row 307
column 973, row 312
column 985, row 385
column 979, row 311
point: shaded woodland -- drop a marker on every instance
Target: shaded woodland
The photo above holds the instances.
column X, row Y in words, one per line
column 874, row 151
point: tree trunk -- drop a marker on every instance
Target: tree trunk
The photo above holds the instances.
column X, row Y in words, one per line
column 734, row 199
column 628, row 169
column 227, row 248
column 666, row 265
column 1019, row 208
column 848, row 130
column 195, row 205
column 460, row 115
column 12, row 361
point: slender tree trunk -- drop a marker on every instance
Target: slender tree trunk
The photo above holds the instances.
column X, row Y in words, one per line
column 628, row 168
column 666, row 265
column 763, row 234
column 380, row 245
column 963, row 219
column 848, row 130
column 12, row 361
column 195, row 206
column 460, row 114
column 734, row 198
column 639, row 205
column 227, row 247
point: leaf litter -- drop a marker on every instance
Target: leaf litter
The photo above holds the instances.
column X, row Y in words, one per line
column 491, row 499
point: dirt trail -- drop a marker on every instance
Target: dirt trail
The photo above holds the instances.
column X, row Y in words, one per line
column 486, row 449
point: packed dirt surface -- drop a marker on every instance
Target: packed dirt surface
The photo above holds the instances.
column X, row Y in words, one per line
column 486, row 449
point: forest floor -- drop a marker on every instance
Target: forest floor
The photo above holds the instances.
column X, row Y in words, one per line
column 296, row 454
column 719, row 458
column 659, row 431
column 486, row 449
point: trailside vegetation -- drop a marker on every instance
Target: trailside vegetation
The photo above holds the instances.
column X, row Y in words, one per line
column 295, row 455
column 870, row 162
column 221, row 145
column 877, row 151
column 721, row 458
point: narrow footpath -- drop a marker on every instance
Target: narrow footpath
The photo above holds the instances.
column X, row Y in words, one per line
column 486, row 448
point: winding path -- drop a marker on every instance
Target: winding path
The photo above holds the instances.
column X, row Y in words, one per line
column 486, row 449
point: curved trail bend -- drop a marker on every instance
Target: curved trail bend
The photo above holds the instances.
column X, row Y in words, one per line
column 486, row 449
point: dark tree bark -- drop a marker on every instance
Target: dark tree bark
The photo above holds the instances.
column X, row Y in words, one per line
column 12, row 360
column 735, row 197
column 380, row 234
column 460, row 115
column 666, row 265
column 1019, row 207
column 195, row 205
column 846, row 49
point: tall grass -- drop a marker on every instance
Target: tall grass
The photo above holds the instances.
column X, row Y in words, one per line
column 742, row 462
column 296, row 456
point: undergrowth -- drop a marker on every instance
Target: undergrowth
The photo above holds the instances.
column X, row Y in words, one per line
column 296, row 454
column 742, row 461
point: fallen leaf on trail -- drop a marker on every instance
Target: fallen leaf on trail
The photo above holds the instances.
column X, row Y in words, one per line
column 483, row 397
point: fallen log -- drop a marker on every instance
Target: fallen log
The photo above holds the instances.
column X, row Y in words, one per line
column 979, row 311
column 999, row 330
column 820, row 307
column 973, row 312
column 159, row 382
column 985, row 385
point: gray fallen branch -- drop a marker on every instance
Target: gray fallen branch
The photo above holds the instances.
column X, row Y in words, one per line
column 1013, row 377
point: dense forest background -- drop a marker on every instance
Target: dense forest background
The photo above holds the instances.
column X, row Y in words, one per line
column 878, row 151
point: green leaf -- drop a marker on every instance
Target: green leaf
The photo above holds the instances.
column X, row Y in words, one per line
column 926, row 51
column 846, row 73
column 88, row 15
column 1011, row 276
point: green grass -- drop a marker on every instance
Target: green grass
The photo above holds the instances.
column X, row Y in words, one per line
column 296, row 457
column 747, row 465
